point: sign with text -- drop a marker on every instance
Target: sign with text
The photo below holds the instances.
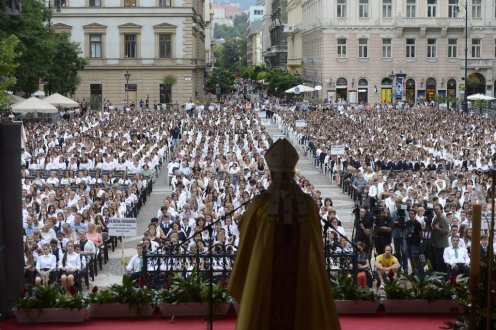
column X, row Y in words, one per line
column 337, row 150
column 122, row 226
column 300, row 123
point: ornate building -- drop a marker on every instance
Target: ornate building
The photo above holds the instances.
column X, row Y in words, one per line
column 131, row 45
column 387, row 50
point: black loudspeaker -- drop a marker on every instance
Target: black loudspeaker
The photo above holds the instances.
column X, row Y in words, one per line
column 11, row 231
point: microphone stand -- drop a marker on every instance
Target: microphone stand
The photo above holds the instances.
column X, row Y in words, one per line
column 210, row 227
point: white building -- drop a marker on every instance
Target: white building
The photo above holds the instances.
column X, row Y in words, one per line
column 386, row 50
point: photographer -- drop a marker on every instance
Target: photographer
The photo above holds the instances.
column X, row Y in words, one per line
column 363, row 228
column 383, row 224
column 399, row 217
column 413, row 235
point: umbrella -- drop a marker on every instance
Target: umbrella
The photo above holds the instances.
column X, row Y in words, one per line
column 60, row 101
column 33, row 104
column 483, row 97
column 300, row 89
column 15, row 99
column 39, row 94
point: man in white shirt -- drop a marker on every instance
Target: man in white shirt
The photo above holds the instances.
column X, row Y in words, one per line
column 135, row 265
column 456, row 257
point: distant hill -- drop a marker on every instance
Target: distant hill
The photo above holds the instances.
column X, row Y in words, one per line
column 243, row 4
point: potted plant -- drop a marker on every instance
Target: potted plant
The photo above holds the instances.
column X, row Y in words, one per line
column 50, row 304
column 189, row 295
column 428, row 295
column 350, row 299
column 122, row 300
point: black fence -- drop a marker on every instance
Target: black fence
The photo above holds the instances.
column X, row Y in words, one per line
column 159, row 268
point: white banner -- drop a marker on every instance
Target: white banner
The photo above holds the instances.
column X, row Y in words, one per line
column 122, row 227
column 300, row 123
column 337, row 150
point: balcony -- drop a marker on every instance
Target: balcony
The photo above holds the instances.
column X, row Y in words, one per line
column 477, row 63
column 145, row 62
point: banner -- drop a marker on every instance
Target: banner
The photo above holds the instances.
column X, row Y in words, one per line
column 122, row 226
column 400, row 81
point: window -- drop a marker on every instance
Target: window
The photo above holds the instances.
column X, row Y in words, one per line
column 476, row 48
column 167, row 3
column 452, row 8
column 164, row 44
column 258, row 12
column 341, row 8
column 95, row 3
column 363, row 48
column 363, row 11
column 410, row 48
column 476, row 8
column 431, row 48
column 96, row 95
column 130, row 46
column 386, row 48
column 95, row 45
column 387, row 8
column 452, row 48
column 411, row 8
column 431, row 8
column 129, row 3
column 341, row 48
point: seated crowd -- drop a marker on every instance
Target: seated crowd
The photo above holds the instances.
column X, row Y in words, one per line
column 76, row 174
column 415, row 175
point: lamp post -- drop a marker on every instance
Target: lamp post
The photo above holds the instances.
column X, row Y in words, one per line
column 465, row 100
column 127, row 76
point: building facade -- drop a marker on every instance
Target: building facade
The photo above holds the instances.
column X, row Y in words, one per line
column 275, row 55
column 293, row 32
column 386, row 50
column 131, row 45
column 254, row 44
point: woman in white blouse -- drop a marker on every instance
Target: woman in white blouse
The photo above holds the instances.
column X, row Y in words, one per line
column 45, row 264
column 69, row 265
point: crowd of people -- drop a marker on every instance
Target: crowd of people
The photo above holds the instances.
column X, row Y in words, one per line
column 414, row 174
column 78, row 173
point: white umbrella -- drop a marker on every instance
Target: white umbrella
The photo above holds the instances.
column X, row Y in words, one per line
column 60, row 101
column 300, row 89
column 15, row 99
column 39, row 94
column 33, row 104
column 483, row 97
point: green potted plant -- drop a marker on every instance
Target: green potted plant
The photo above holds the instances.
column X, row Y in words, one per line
column 50, row 304
column 431, row 294
column 122, row 300
column 189, row 295
column 350, row 299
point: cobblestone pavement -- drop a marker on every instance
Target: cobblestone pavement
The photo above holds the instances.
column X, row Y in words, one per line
column 113, row 270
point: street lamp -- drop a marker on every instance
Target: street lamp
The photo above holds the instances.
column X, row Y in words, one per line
column 127, row 76
column 465, row 100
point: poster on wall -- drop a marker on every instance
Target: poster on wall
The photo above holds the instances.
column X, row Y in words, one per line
column 400, row 80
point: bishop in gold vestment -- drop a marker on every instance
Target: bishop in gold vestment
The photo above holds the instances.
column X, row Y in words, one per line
column 279, row 276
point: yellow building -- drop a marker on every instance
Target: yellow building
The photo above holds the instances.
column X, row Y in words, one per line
column 147, row 39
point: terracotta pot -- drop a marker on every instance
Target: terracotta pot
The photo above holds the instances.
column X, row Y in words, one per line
column 192, row 309
column 120, row 310
column 52, row 315
column 357, row 306
column 418, row 306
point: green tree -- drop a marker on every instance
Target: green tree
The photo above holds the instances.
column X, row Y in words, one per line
column 232, row 54
column 238, row 30
column 224, row 78
column 7, row 67
column 279, row 81
column 44, row 55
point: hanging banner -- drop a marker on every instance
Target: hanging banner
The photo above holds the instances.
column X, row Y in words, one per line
column 400, row 79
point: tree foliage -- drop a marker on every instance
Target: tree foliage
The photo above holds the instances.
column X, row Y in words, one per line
column 232, row 32
column 7, row 67
column 224, row 78
column 279, row 81
column 231, row 54
column 44, row 55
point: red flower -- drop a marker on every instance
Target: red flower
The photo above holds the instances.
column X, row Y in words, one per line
column 95, row 289
column 73, row 291
column 141, row 281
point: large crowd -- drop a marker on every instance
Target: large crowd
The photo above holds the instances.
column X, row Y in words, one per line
column 414, row 175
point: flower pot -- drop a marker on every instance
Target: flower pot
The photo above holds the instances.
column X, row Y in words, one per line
column 52, row 315
column 357, row 306
column 192, row 309
column 418, row 306
column 120, row 310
